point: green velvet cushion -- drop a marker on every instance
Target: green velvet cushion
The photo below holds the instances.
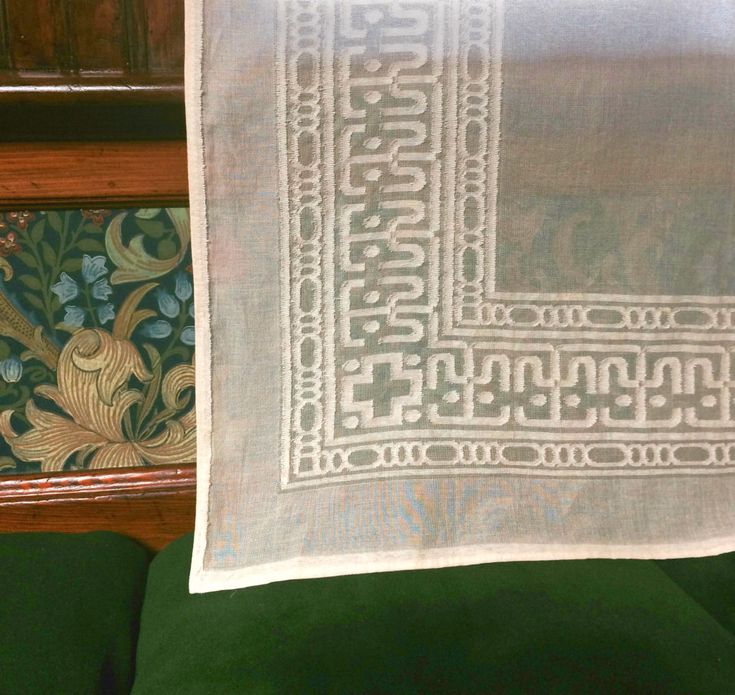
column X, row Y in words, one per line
column 545, row 627
column 69, row 612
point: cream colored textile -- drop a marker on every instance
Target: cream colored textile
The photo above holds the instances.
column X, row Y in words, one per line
column 465, row 282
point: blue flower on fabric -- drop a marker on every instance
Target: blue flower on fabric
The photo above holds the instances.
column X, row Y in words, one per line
column 11, row 369
column 105, row 313
column 101, row 289
column 167, row 304
column 184, row 287
column 93, row 268
column 156, row 329
column 187, row 335
column 171, row 305
column 94, row 286
column 65, row 289
column 74, row 316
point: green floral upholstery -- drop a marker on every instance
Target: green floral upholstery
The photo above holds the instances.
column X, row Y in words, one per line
column 96, row 339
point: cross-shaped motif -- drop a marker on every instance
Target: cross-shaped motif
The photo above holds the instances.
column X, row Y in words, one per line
column 381, row 391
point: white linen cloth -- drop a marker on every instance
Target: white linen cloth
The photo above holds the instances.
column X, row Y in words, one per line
column 465, row 282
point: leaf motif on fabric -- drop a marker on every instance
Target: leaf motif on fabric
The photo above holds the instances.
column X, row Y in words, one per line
column 134, row 263
column 95, row 395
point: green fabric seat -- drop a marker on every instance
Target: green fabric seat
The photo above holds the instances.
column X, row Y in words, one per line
column 69, row 612
column 709, row 581
column 546, row 627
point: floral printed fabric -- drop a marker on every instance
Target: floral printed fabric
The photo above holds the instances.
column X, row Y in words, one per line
column 464, row 282
column 96, row 339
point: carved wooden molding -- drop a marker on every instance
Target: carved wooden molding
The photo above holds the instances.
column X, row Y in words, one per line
column 70, row 486
column 151, row 505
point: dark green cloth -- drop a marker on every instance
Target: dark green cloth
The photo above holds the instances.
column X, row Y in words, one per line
column 69, row 612
column 545, row 627
column 710, row 581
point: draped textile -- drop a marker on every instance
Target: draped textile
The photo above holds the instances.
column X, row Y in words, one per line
column 464, row 282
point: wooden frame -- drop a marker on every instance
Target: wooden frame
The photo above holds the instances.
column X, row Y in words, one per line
column 93, row 174
column 153, row 505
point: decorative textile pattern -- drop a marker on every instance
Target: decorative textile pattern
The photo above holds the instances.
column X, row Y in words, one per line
column 96, row 339
column 465, row 282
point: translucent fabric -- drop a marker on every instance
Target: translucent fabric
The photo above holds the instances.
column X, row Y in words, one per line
column 465, row 282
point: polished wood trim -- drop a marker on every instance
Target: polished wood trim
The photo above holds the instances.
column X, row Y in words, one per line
column 151, row 505
column 94, row 174
column 101, row 484
column 79, row 89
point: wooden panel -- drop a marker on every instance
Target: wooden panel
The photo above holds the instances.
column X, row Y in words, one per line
column 42, row 36
column 33, row 29
column 151, row 505
column 97, row 28
column 4, row 37
column 94, row 174
column 61, row 56
column 165, row 20
column 101, row 108
column 136, row 34
column 49, row 49
column 93, row 89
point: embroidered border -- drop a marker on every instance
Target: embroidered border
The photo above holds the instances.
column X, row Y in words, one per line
column 388, row 223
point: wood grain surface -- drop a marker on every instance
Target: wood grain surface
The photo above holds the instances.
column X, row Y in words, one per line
column 108, row 174
column 151, row 505
column 43, row 37
column 91, row 69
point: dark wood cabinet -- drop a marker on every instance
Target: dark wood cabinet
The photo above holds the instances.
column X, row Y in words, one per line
column 91, row 69
column 75, row 38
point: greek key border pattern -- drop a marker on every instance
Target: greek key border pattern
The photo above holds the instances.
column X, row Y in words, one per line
column 464, row 308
